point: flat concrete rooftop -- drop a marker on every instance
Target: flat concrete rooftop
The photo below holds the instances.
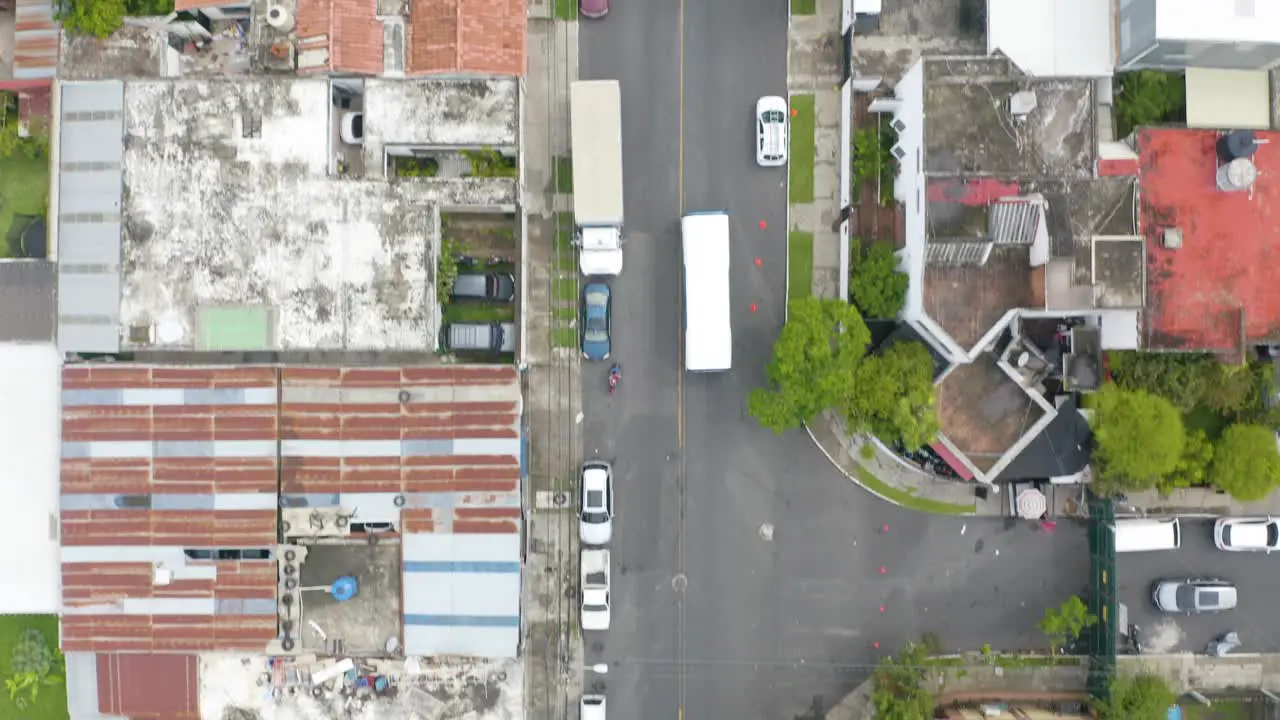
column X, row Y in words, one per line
column 232, row 218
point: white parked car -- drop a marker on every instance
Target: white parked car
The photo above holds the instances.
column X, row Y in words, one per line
column 593, row 707
column 595, row 517
column 771, row 131
column 352, row 128
column 1247, row 534
column 1194, row 596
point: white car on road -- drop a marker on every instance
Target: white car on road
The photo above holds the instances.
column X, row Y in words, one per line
column 595, row 503
column 1247, row 534
column 771, row 131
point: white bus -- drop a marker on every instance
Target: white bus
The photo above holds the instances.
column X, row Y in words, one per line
column 708, row 337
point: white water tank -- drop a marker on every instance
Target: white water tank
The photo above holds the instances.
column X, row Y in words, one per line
column 1237, row 175
column 279, row 18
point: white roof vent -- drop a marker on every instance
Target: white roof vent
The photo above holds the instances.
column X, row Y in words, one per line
column 1171, row 238
column 279, row 19
column 1022, row 103
column 162, row 576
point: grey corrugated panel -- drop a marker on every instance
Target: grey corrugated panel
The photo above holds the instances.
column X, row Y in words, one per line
column 27, row 304
column 90, row 187
column 470, row 613
column 88, row 243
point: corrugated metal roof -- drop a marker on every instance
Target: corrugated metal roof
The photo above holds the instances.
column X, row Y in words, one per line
column 149, row 687
column 461, row 594
column 26, row 301
column 156, row 462
column 37, row 39
column 90, row 184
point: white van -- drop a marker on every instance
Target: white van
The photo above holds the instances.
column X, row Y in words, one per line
column 1147, row 535
column 593, row 707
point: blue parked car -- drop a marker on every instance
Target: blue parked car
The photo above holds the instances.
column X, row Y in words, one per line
column 596, row 306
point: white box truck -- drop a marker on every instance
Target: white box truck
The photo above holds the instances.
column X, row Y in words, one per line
column 595, row 589
column 595, row 109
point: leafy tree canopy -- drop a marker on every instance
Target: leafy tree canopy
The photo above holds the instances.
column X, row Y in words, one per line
column 1180, row 378
column 1245, row 462
column 1140, row 697
column 813, row 365
column 1148, row 97
column 1065, row 622
column 1138, row 438
column 1193, row 467
column 876, row 285
column 103, row 17
column 900, row 688
column 892, row 396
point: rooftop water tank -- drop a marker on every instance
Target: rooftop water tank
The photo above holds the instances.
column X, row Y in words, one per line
column 1237, row 144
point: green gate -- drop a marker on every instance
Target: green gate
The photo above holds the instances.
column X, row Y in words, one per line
column 1103, row 634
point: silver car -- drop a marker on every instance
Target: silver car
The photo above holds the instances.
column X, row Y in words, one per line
column 1202, row 595
column 595, row 526
column 1247, row 534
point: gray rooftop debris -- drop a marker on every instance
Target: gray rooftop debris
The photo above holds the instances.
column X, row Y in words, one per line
column 27, row 311
column 229, row 202
column 970, row 126
column 88, row 214
column 130, row 52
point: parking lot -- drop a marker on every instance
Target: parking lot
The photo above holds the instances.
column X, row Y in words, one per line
column 1256, row 575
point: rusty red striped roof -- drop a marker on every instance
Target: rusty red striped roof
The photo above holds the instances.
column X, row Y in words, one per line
column 149, row 687
column 37, row 40
column 162, row 466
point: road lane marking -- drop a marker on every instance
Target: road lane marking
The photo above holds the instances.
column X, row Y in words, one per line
column 681, row 650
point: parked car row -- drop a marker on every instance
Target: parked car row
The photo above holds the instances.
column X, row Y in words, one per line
column 595, row 529
column 492, row 337
column 1202, row 594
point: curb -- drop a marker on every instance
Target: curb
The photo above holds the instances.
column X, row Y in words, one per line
column 853, row 479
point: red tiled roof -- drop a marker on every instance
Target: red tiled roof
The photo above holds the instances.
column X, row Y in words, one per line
column 37, row 39
column 348, row 30
column 1118, row 168
column 446, row 403
column 149, row 687
column 1219, row 288
column 166, row 436
column 467, row 36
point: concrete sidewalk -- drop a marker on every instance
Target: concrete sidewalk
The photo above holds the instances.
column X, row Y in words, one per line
column 1196, row 501
column 893, row 479
column 814, row 69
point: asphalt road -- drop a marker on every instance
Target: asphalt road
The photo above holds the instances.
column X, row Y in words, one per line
column 1255, row 575
column 770, row 624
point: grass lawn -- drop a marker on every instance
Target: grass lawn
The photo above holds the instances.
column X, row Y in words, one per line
column 565, row 337
column 564, row 175
column 565, row 251
column 566, row 289
column 907, row 499
column 803, row 150
column 51, row 703
column 799, row 264
column 24, row 190
column 566, row 9
column 566, row 314
column 804, row 7
column 478, row 312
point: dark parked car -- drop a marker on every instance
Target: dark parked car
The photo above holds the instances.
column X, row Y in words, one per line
column 493, row 286
column 593, row 8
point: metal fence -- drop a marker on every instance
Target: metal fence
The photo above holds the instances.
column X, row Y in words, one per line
column 1102, row 636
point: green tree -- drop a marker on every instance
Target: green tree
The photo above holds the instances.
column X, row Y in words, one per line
column 1180, row 378
column 1230, row 389
column 900, row 686
column 1138, row 439
column 1065, row 622
column 99, row 18
column 1193, row 466
column 446, row 270
column 892, row 396
column 876, row 285
column 814, row 360
column 1245, row 462
column 1148, row 97
column 1139, row 697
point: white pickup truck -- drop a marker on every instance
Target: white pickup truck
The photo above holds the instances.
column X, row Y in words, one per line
column 595, row 589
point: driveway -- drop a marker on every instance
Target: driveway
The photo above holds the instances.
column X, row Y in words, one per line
column 1257, row 576
column 747, row 577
